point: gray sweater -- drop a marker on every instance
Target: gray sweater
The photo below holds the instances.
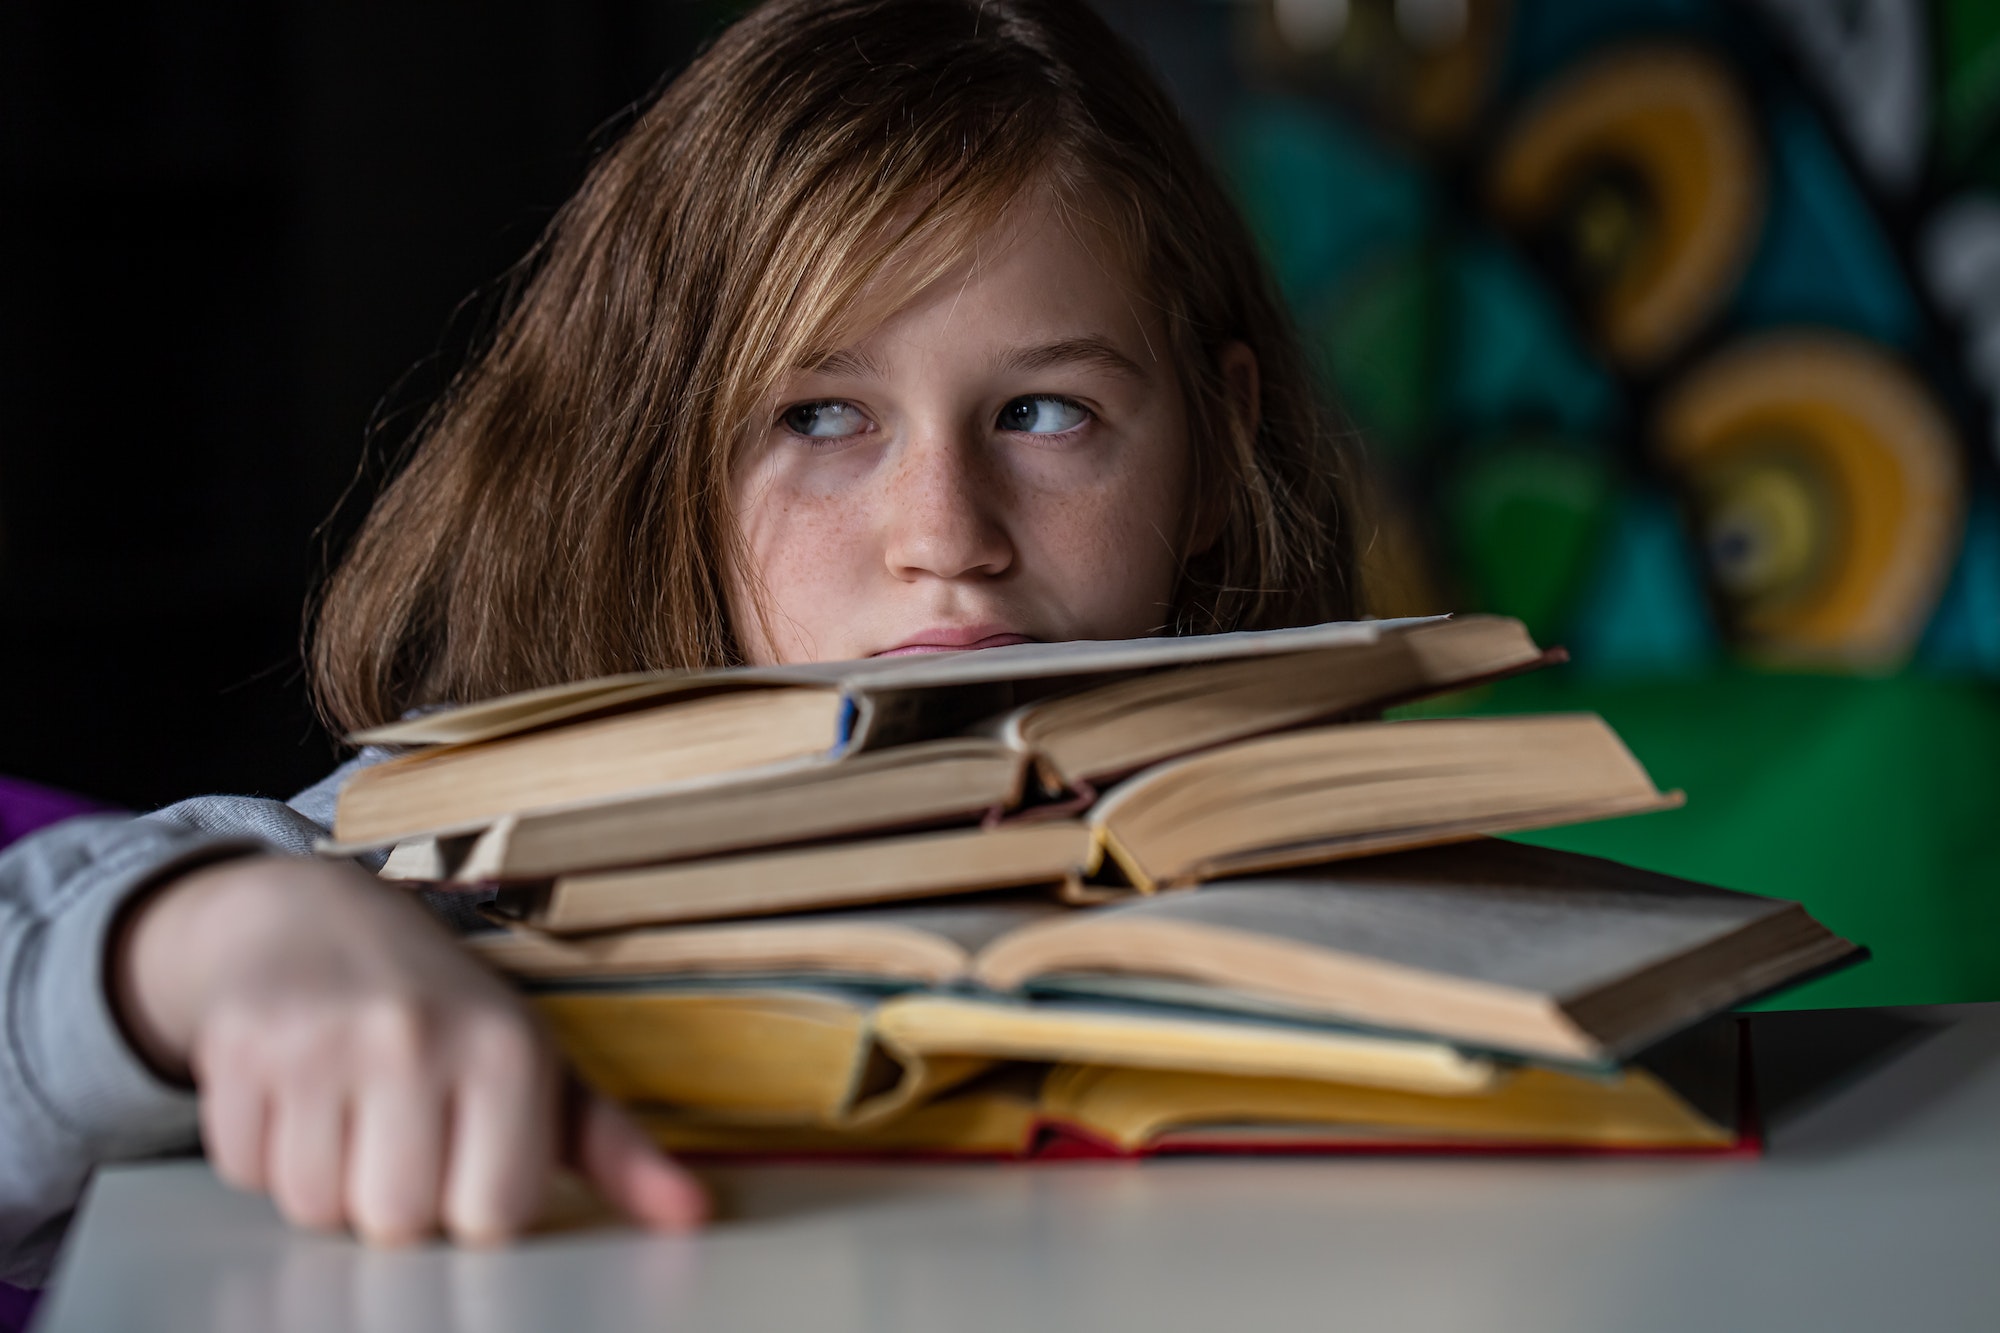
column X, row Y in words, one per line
column 72, row 1091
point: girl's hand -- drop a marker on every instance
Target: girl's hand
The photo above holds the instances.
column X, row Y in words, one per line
column 359, row 1065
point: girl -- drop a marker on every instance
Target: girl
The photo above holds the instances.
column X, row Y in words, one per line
column 892, row 326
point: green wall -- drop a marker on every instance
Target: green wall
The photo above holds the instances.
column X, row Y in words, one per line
column 1876, row 803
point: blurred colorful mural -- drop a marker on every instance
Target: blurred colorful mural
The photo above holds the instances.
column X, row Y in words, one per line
column 1673, row 328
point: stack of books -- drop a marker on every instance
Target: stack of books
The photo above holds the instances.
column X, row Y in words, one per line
column 1150, row 896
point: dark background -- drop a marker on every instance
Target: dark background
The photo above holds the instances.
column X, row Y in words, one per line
column 243, row 237
column 238, row 232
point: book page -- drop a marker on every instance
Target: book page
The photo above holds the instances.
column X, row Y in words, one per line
column 1524, row 918
column 923, row 943
column 1023, row 661
column 971, row 925
column 497, row 717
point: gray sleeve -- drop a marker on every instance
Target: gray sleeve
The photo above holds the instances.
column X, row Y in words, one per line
column 316, row 802
column 72, row 1091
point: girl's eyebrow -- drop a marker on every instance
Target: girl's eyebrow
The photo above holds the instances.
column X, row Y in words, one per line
column 846, row 363
column 1089, row 350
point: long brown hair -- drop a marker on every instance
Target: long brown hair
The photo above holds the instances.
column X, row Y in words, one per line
column 564, row 511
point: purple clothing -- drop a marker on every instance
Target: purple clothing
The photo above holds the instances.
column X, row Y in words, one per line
column 16, row 1308
column 25, row 807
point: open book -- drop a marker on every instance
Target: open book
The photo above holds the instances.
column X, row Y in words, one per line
column 1296, row 798
column 755, row 1071
column 1083, row 712
column 1486, row 946
column 1687, row 1096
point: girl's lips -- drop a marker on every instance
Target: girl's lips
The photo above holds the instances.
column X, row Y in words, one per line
column 954, row 641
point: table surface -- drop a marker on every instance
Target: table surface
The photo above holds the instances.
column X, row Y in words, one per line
column 1877, row 1207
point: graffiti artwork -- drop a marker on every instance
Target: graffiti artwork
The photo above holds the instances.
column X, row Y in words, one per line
column 1672, row 326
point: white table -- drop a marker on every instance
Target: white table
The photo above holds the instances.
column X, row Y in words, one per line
column 1877, row 1209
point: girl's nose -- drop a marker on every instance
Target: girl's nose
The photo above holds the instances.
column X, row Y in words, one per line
column 944, row 514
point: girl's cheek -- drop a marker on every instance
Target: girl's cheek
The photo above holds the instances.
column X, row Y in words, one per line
column 795, row 538
column 1107, row 533
column 1143, row 475
column 804, row 541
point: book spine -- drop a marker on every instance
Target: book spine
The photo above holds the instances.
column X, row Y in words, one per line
column 1109, row 847
column 846, row 728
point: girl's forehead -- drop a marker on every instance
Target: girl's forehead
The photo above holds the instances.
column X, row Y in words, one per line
column 1044, row 267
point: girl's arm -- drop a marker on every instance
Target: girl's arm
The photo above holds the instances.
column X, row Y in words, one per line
column 90, row 903
column 359, row 1065
column 72, row 1091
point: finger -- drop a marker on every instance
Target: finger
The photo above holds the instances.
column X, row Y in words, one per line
column 395, row 1161
column 633, row 1175
column 234, row 1111
column 503, row 1140
column 304, row 1164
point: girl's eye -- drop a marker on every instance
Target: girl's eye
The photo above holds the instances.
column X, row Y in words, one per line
column 1042, row 414
column 824, row 421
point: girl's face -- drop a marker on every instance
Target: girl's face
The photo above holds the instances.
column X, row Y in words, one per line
column 1004, row 460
